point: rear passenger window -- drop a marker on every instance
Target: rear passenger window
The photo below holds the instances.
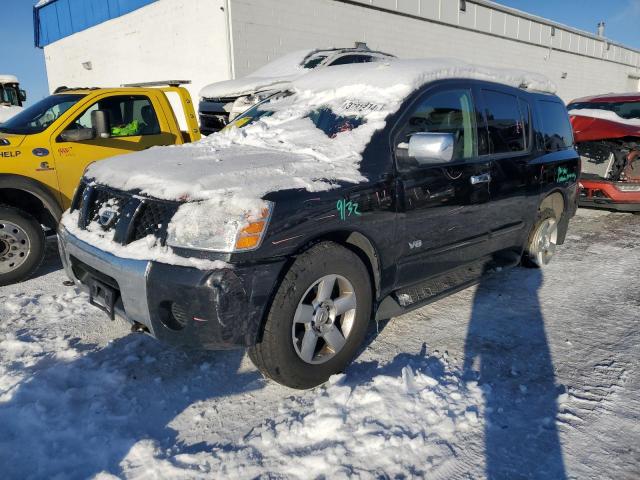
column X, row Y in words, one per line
column 556, row 129
column 505, row 121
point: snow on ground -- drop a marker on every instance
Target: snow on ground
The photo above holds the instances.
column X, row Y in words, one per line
column 529, row 375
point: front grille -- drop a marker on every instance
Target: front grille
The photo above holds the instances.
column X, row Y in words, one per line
column 123, row 217
column 105, row 200
column 153, row 219
column 213, row 122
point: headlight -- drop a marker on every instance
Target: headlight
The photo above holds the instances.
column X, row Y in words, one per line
column 214, row 227
column 628, row 187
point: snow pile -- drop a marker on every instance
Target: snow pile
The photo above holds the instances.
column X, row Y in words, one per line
column 605, row 115
column 386, row 427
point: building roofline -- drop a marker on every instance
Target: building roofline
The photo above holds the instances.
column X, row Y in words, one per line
column 551, row 23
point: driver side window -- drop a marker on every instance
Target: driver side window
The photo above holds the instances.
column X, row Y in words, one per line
column 449, row 111
column 130, row 115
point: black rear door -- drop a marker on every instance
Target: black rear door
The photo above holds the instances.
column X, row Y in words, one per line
column 514, row 186
column 442, row 208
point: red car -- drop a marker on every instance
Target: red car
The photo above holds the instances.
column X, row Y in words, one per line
column 607, row 135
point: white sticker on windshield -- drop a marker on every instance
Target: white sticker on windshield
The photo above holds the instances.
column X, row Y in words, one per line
column 357, row 106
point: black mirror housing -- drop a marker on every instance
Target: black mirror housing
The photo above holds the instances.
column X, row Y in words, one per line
column 101, row 122
column 23, row 95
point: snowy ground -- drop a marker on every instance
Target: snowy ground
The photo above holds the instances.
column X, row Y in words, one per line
column 528, row 375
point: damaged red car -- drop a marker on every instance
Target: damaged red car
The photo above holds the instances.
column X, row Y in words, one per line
column 607, row 135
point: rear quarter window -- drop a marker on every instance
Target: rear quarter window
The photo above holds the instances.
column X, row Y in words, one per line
column 555, row 126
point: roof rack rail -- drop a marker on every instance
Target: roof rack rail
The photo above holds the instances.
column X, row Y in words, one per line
column 171, row 83
column 66, row 89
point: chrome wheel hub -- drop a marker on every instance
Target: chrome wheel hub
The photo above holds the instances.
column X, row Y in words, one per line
column 14, row 246
column 324, row 319
column 544, row 242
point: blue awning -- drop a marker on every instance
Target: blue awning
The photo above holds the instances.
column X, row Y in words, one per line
column 60, row 18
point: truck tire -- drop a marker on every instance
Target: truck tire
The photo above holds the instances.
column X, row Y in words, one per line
column 21, row 245
column 542, row 240
column 318, row 319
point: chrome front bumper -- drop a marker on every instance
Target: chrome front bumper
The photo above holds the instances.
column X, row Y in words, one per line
column 130, row 275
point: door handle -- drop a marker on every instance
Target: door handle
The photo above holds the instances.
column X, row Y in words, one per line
column 484, row 178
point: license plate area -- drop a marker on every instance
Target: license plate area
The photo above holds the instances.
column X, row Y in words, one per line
column 103, row 297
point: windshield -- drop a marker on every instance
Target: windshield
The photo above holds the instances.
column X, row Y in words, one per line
column 628, row 110
column 38, row 117
column 324, row 118
column 9, row 95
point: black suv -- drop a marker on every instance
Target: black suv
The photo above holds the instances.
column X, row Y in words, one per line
column 457, row 178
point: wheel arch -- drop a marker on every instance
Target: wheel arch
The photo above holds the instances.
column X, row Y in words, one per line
column 555, row 201
column 358, row 243
column 31, row 196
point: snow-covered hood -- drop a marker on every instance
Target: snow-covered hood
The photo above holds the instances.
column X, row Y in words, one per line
column 245, row 86
column 6, row 112
column 193, row 173
column 271, row 76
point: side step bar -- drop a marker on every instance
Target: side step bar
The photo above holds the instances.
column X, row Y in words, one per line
column 416, row 296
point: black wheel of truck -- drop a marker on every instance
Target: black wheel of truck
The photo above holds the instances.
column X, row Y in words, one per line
column 318, row 319
column 21, row 245
column 542, row 241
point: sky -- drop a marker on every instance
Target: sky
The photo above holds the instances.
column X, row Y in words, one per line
column 18, row 56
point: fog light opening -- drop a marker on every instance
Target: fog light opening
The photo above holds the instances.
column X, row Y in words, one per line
column 174, row 315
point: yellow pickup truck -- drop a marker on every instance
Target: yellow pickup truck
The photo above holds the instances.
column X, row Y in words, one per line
column 45, row 149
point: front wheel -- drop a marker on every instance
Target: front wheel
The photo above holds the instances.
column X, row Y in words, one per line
column 21, row 245
column 542, row 241
column 318, row 319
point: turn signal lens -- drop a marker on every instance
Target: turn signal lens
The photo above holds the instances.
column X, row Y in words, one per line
column 251, row 235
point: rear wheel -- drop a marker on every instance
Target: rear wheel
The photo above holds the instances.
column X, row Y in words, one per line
column 21, row 245
column 542, row 241
column 318, row 319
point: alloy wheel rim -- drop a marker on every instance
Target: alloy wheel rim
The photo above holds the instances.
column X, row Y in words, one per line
column 545, row 242
column 14, row 246
column 324, row 319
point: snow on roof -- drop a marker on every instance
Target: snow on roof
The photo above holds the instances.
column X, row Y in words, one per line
column 8, row 79
column 605, row 115
column 279, row 71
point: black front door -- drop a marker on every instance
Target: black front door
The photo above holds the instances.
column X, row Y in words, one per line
column 442, row 207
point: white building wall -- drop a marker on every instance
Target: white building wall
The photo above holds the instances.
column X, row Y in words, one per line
column 166, row 40
column 265, row 29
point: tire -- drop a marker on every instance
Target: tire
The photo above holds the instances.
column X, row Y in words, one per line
column 285, row 352
column 21, row 245
column 541, row 245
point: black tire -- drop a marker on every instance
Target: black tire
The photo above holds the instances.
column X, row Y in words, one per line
column 528, row 257
column 25, row 263
column 275, row 354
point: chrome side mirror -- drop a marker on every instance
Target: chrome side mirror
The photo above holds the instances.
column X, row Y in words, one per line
column 430, row 148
